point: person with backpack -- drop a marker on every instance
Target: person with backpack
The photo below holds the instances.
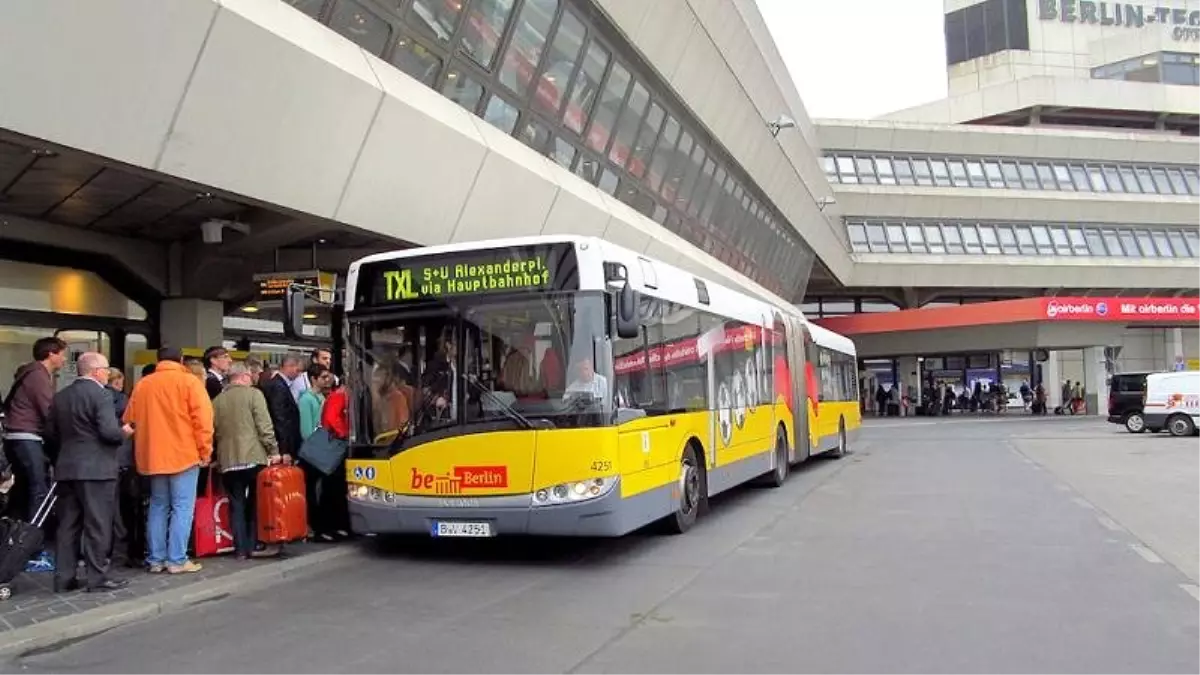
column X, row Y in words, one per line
column 26, row 416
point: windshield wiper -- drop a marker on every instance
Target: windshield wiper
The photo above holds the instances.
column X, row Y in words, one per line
column 505, row 408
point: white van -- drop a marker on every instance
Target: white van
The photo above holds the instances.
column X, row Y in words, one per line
column 1173, row 402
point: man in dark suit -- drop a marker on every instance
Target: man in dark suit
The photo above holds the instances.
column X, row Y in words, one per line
column 84, row 423
column 285, row 413
column 217, row 361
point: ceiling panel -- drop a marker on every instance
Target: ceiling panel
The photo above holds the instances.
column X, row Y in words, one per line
column 50, row 180
column 105, row 192
column 151, row 206
column 14, row 159
column 187, row 219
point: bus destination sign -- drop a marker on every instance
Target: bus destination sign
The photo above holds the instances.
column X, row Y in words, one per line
column 443, row 280
column 470, row 273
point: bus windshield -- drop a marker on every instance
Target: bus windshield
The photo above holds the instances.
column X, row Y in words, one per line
column 468, row 365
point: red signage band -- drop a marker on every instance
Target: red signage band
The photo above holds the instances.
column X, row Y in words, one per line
column 1024, row 310
column 1121, row 309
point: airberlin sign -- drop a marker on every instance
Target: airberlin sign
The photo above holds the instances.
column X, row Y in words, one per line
column 1122, row 309
column 1127, row 310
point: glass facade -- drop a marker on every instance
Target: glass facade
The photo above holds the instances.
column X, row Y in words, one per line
column 986, row 28
column 555, row 75
column 1022, row 239
column 1161, row 67
column 1011, row 173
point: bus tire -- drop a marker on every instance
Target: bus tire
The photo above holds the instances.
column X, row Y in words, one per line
column 842, row 448
column 1181, row 425
column 691, row 488
column 783, row 463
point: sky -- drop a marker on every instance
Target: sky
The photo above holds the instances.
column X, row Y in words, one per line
column 860, row 58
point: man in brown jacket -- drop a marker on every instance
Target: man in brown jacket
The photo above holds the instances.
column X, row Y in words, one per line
column 27, row 414
column 245, row 443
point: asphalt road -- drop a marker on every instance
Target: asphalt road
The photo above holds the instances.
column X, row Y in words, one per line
column 939, row 546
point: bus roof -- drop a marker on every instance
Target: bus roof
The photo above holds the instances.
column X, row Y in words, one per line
column 723, row 293
column 482, row 244
column 829, row 339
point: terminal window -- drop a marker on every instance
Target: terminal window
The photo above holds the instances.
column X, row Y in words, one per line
column 986, row 28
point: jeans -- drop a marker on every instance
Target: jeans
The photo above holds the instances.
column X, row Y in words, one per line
column 176, row 494
column 243, row 511
column 29, row 466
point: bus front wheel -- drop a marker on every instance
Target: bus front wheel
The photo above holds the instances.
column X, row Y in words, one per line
column 691, row 492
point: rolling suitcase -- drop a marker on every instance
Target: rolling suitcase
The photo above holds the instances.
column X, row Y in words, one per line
column 211, row 532
column 20, row 541
column 282, row 509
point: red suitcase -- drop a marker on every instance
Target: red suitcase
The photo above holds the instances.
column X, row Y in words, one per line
column 211, row 531
column 282, row 509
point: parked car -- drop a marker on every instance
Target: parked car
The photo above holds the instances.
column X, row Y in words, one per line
column 1126, row 392
column 1173, row 402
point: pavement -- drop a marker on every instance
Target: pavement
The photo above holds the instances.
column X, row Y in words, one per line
column 36, row 616
column 945, row 545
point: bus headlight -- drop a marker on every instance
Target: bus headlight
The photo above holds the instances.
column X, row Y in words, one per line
column 578, row 491
column 366, row 493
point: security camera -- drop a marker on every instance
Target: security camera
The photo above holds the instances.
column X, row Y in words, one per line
column 781, row 122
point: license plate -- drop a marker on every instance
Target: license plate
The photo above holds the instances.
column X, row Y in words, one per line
column 461, row 529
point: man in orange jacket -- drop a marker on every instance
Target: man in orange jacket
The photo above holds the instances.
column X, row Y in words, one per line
column 172, row 418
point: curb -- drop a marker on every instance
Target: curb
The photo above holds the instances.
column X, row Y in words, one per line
column 94, row 621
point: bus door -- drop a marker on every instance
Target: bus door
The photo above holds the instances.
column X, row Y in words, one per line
column 796, row 336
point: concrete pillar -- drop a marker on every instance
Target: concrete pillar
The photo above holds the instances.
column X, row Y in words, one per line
column 1095, row 380
column 1175, row 349
column 1052, row 380
column 189, row 322
column 906, row 372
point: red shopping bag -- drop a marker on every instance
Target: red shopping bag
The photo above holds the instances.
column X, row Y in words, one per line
column 211, row 531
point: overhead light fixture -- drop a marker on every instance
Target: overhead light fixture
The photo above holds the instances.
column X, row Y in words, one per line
column 309, row 316
column 250, row 309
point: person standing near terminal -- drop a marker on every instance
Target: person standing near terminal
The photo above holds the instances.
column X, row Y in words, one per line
column 216, row 365
column 312, row 402
column 301, row 383
column 285, row 413
column 128, row 534
column 173, row 422
column 245, row 443
column 27, row 411
column 89, row 437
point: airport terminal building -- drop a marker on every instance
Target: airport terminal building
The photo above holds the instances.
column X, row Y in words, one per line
column 162, row 163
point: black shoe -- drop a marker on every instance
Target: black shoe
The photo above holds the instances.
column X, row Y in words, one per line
column 67, row 586
column 107, row 585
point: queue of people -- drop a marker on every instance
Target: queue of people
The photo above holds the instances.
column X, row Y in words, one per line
column 125, row 467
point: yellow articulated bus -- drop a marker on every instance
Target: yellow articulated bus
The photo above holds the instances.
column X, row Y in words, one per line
column 568, row 386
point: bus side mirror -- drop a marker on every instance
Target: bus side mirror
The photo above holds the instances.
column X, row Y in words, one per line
column 628, row 326
column 293, row 312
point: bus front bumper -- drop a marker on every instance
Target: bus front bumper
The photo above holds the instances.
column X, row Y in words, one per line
column 604, row 516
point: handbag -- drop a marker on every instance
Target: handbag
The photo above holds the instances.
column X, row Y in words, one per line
column 322, row 451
